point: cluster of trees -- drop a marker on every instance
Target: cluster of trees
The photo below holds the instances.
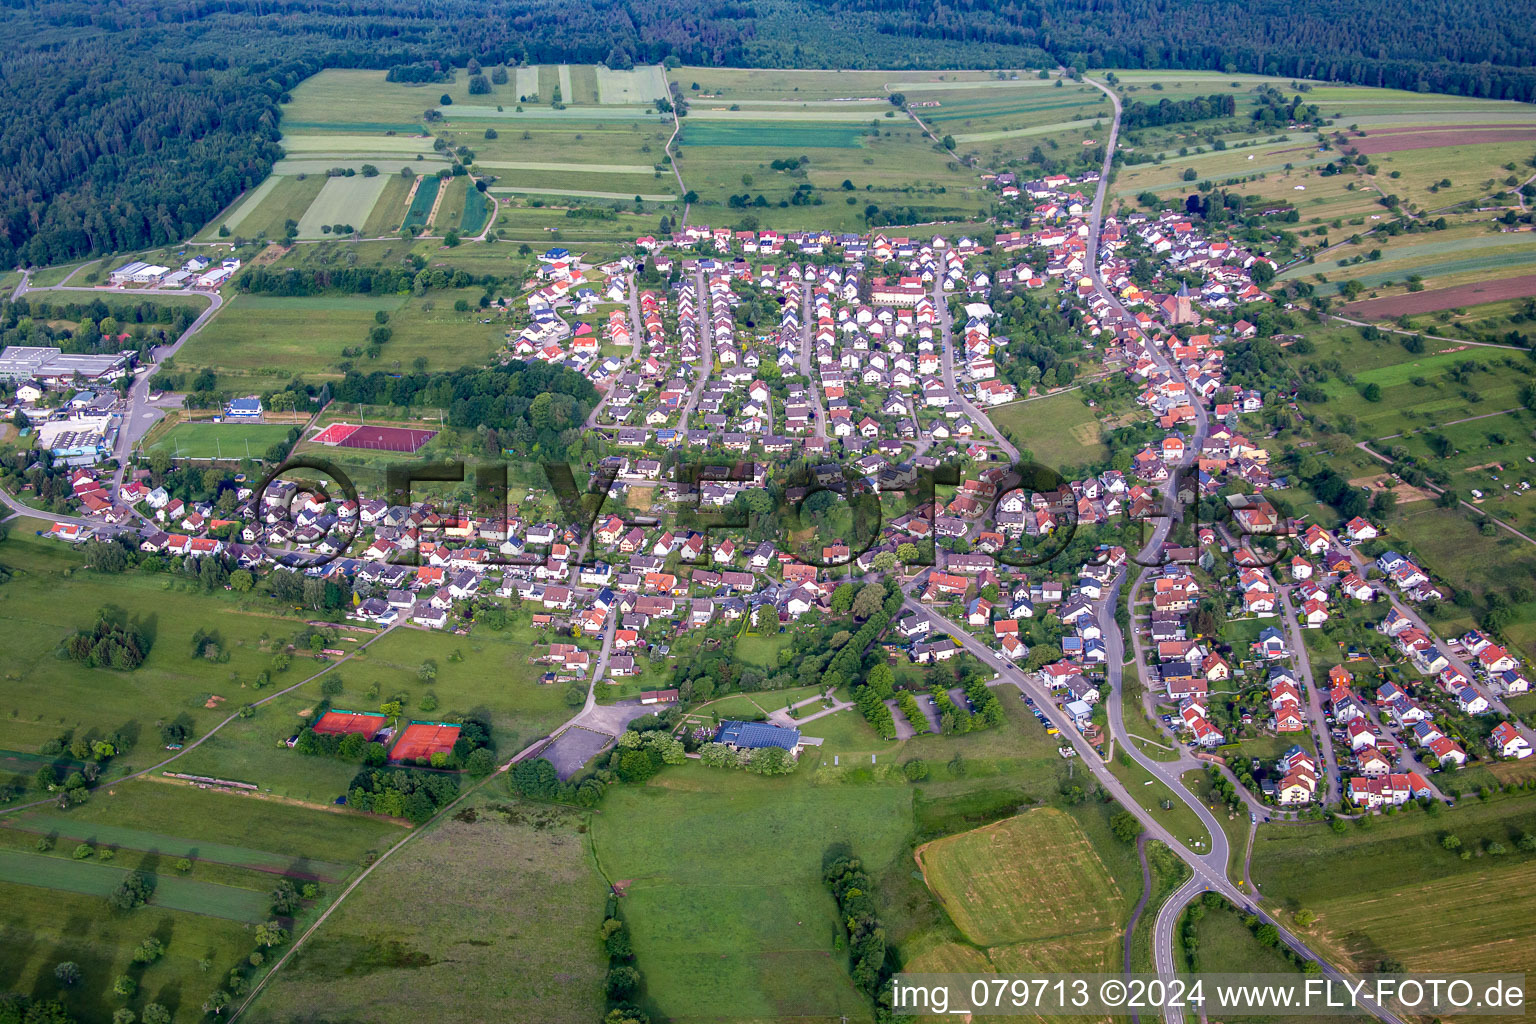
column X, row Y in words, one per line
column 641, row 753
column 528, row 404
column 763, row 761
column 624, row 982
column 401, row 793
column 869, row 959
column 1136, row 114
column 358, row 280
column 1267, row 934
column 113, row 642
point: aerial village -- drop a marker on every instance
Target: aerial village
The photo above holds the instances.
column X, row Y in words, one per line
column 756, row 351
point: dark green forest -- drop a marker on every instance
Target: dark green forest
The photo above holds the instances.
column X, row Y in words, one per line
column 129, row 124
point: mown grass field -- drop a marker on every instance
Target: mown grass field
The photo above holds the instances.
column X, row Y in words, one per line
column 435, row 925
column 46, row 696
column 343, row 201
column 282, row 336
column 1027, row 878
column 734, row 917
column 1445, row 383
column 206, row 440
column 267, row 212
column 1061, row 431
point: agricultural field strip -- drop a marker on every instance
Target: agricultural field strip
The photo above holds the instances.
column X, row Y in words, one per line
column 701, row 113
column 342, row 201
column 172, row 893
column 1021, row 83
column 386, row 165
column 1444, row 268
column 467, row 112
column 526, row 81
column 356, row 143
column 499, row 189
column 529, row 165
column 252, row 200
column 171, row 846
column 565, row 83
column 1220, row 176
column 642, row 84
column 1015, row 133
column 873, row 104
column 1396, row 253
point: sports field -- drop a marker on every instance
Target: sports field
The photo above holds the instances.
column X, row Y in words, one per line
column 207, row 440
column 423, row 739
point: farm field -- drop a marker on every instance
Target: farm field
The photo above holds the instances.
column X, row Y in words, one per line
column 261, row 835
column 237, row 845
column 403, row 939
column 282, row 336
column 1490, row 454
column 1419, row 391
column 422, row 200
column 271, row 205
column 735, row 921
column 983, row 876
column 41, row 927
column 342, row 201
column 1016, row 877
column 1060, row 430
column 1388, row 891
column 1463, row 249
column 1485, row 304
column 389, row 209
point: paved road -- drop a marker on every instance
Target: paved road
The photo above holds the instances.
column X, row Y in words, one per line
column 636, row 337
column 140, row 415
column 701, row 308
column 806, row 361
column 1320, row 734
column 1209, row 870
column 978, row 417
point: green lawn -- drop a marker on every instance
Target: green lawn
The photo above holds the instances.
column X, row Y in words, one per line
column 1061, row 431
column 724, row 896
column 280, row 336
column 47, row 697
column 94, row 879
column 207, row 440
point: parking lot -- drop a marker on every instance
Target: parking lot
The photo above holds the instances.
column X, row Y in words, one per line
column 573, row 748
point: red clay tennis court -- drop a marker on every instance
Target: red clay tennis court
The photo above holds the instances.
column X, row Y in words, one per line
column 384, row 439
column 339, row 723
column 423, row 739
